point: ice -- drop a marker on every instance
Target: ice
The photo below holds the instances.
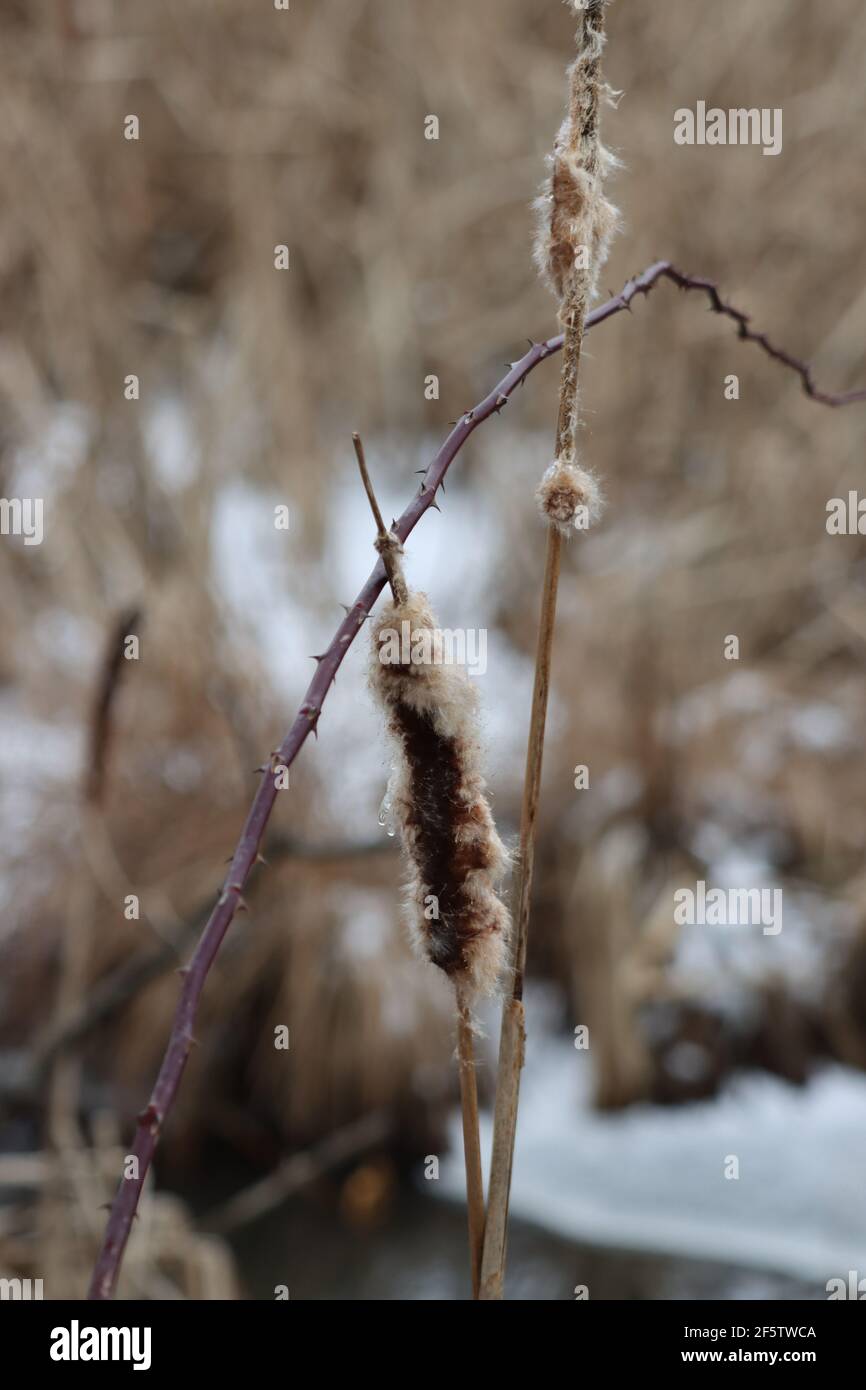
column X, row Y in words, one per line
column 653, row 1178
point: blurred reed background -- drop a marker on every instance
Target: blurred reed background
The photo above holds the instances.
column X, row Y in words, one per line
column 409, row 258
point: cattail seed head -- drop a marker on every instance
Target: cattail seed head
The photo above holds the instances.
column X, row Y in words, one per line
column 569, row 497
column 575, row 222
column 454, row 854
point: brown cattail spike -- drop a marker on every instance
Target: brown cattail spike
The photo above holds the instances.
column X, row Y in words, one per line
column 437, row 798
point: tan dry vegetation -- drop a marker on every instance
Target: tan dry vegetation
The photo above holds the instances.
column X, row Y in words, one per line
column 412, row 257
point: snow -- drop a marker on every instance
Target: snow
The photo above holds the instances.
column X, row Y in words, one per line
column 723, row 964
column 653, row 1178
column 45, row 467
column 32, row 751
column 172, row 444
column 255, row 573
column 366, row 918
column 821, row 728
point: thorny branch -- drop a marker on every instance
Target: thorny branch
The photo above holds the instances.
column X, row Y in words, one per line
column 153, row 1117
column 663, row 270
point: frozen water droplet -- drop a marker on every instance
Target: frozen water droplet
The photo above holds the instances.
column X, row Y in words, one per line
column 386, row 815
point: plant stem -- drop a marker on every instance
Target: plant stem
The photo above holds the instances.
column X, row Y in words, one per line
column 512, row 1036
column 471, row 1139
column 387, row 544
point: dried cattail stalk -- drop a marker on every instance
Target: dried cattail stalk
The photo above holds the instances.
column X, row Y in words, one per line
column 455, row 856
column 437, row 796
column 437, row 799
column 575, row 221
column 575, row 226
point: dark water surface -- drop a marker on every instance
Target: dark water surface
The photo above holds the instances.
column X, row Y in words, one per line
column 417, row 1250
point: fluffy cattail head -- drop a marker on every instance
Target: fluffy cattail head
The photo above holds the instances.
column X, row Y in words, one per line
column 569, row 497
column 575, row 222
column 454, row 853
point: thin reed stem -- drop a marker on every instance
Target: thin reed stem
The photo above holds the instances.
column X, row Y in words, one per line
column 575, row 210
column 471, row 1139
column 512, row 1035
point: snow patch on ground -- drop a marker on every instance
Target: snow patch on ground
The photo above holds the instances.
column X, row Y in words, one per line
column 653, row 1178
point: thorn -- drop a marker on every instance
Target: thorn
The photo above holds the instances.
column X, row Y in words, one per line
column 346, row 609
column 242, row 906
column 321, row 656
column 259, row 769
column 260, row 859
column 420, row 470
column 183, row 971
column 436, row 506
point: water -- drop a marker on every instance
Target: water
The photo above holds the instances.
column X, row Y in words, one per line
column 386, row 816
column 416, row 1250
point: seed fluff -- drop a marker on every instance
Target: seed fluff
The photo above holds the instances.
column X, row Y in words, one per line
column 437, row 798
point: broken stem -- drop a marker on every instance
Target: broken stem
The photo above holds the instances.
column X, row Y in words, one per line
column 387, row 543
